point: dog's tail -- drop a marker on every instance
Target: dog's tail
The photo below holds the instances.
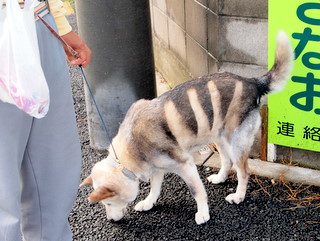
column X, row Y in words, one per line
column 276, row 79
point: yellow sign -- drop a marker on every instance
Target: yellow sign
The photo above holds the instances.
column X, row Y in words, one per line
column 294, row 114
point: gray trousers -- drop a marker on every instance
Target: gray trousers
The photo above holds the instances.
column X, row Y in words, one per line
column 40, row 159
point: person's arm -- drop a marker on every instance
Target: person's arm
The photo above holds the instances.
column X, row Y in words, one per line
column 71, row 38
column 78, row 45
column 59, row 13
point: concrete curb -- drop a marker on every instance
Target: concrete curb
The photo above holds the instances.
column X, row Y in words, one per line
column 269, row 169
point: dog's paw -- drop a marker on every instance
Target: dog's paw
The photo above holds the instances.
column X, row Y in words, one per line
column 202, row 217
column 143, row 206
column 234, row 198
column 216, row 179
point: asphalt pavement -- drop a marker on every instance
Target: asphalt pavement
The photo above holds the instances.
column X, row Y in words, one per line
column 272, row 210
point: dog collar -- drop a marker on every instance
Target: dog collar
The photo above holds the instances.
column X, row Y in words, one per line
column 117, row 165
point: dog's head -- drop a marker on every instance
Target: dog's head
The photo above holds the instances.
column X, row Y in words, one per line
column 112, row 188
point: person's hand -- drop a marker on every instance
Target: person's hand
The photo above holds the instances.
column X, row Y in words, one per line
column 74, row 41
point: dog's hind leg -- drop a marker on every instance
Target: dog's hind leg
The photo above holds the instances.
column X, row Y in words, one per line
column 241, row 167
column 226, row 166
column 189, row 173
column 155, row 182
column 241, row 142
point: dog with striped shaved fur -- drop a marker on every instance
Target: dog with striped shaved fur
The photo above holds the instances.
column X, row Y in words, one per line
column 160, row 135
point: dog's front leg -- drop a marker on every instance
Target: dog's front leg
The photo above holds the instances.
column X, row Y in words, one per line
column 155, row 182
column 190, row 175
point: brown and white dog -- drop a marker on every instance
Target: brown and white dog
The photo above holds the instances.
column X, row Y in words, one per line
column 159, row 136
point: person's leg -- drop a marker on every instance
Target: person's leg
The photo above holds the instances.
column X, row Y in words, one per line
column 14, row 133
column 52, row 161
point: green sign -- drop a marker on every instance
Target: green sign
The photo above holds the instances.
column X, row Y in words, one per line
column 294, row 114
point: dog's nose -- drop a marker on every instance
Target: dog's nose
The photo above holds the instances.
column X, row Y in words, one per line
column 114, row 219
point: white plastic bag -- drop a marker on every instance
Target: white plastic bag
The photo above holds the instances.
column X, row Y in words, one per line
column 22, row 81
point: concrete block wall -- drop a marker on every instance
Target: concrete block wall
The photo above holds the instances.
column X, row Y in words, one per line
column 181, row 38
column 243, row 37
column 196, row 37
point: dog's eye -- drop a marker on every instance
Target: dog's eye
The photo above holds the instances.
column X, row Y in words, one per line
column 108, row 204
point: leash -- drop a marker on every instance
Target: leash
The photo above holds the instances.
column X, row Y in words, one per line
column 204, row 162
column 70, row 49
column 76, row 55
column 98, row 110
column 213, row 149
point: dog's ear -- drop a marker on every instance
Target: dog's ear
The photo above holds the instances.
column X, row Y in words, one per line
column 101, row 193
column 86, row 181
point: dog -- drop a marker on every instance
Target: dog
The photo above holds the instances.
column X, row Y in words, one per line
column 159, row 136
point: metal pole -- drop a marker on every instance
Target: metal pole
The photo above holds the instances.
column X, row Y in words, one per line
column 122, row 67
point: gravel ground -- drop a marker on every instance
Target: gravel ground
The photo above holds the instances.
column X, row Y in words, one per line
column 272, row 210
